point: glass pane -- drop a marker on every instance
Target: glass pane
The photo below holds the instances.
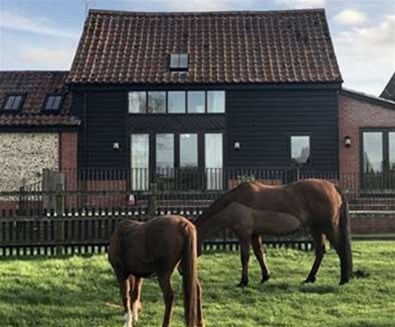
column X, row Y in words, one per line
column 391, row 136
column 188, row 150
column 137, row 102
column 176, row 102
column 157, row 102
column 183, row 60
column 140, row 161
column 373, row 152
column 300, row 149
column 213, row 157
column 216, row 101
column 174, row 60
column 49, row 104
column 56, row 103
column 17, row 102
column 164, row 151
column 196, row 101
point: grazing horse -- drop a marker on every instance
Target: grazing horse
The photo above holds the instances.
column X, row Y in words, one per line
column 154, row 248
column 253, row 209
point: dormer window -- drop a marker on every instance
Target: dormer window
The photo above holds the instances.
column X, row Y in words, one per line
column 13, row 102
column 179, row 61
column 53, row 102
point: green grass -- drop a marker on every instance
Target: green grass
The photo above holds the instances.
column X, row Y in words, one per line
column 81, row 291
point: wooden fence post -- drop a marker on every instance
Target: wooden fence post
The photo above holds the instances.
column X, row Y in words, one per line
column 152, row 201
column 59, row 221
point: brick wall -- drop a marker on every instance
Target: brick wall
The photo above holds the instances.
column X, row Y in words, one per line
column 373, row 223
column 68, row 150
column 355, row 114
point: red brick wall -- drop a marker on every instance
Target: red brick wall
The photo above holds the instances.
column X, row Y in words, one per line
column 353, row 115
column 372, row 223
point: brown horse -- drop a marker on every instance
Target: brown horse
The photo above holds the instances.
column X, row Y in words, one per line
column 253, row 209
column 154, row 248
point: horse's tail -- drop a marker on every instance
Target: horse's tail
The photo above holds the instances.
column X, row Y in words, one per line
column 189, row 276
column 345, row 240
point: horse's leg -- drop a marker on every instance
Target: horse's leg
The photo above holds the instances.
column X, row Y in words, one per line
column 168, row 296
column 124, row 284
column 256, row 242
column 136, row 296
column 319, row 248
column 245, row 242
column 334, row 239
column 199, row 306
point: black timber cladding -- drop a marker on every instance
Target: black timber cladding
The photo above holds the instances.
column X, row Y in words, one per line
column 263, row 121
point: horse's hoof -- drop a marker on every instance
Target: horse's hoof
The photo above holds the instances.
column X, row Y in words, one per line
column 242, row 284
column 309, row 280
column 265, row 279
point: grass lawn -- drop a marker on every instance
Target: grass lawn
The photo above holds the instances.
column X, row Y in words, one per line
column 81, row 291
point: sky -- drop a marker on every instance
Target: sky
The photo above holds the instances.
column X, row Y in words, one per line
column 44, row 34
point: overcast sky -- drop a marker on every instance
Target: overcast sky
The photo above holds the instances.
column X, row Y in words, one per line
column 43, row 34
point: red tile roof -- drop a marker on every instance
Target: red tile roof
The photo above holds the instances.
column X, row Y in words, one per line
column 224, row 47
column 36, row 85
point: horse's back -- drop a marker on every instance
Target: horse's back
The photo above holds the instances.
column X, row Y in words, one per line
column 142, row 247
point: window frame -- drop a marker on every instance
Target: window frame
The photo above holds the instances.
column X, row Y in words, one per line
column 44, row 107
column 177, row 56
column 385, row 143
column 207, row 103
column 20, row 106
column 146, row 103
column 293, row 162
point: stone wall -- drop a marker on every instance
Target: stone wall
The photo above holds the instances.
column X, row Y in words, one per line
column 24, row 155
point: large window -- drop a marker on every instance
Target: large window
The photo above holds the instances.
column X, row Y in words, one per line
column 300, row 150
column 373, row 152
column 188, row 150
column 213, row 151
column 137, row 102
column 196, row 101
column 391, row 143
column 157, row 102
column 177, row 102
column 164, row 151
column 140, row 161
column 215, row 101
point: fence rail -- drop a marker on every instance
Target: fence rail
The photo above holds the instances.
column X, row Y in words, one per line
column 76, row 211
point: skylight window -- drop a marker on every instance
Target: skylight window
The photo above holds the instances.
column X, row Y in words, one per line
column 53, row 103
column 13, row 102
column 179, row 61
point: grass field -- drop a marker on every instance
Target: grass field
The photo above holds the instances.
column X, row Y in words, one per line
column 81, row 291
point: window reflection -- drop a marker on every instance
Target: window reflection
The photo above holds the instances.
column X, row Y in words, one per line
column 188, row 150
column 216, row 101
column 140, row 161
column 164, row 151
column 176, row 102
column 157, row 102
column 196, row 101
column 137, row 102
column 373, row 152
column 300, row 149
column 213, row 157
column 391, row 136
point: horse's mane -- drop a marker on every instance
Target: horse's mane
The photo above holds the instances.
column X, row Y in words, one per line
column 219, row 204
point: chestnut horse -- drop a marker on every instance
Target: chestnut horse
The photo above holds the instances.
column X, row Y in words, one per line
column 253, row 209
column 154, row 248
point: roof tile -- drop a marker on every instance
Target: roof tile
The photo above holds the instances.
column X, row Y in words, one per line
column 224, row 47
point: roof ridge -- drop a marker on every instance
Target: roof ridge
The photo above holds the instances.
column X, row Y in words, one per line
column 33, row 71
column 201, row 13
